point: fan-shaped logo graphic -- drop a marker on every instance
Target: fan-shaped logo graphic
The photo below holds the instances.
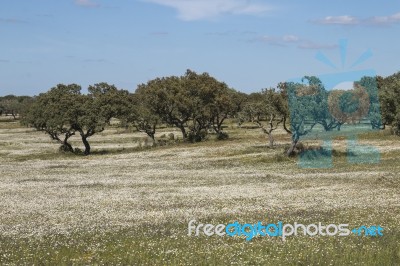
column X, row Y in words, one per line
column 342, row 104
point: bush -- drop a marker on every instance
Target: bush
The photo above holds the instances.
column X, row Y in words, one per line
column 222, row 136
column 65, row 148
column 78, row 151
column 396, row 127
column 197, row 136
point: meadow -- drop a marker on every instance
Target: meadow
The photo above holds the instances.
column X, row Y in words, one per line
column 130, row 204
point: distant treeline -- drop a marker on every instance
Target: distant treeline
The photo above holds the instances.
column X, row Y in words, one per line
column 198, row 104
column 12, row 105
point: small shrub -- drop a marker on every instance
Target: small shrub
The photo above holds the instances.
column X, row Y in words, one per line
column 162, row 142
column 78, row 151
column 171, row 136
column 197, row 136
column 65, row 148
column 222, row 136
column 396, row 128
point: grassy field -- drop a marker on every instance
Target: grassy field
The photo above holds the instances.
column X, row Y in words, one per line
column 130, row 204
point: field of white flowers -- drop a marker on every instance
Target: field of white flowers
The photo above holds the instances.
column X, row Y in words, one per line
column 128, row 204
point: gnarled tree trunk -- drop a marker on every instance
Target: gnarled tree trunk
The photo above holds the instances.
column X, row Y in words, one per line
column 84, row 137
column 86, row 143
column 65, row 145
column 183, row 130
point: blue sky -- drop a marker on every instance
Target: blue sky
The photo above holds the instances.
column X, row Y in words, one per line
column 248, row 44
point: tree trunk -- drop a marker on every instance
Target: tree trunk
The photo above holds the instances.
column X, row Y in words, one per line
column 295, row 139
column 153, row 132
column 66, row 147
column 86, row 143
column 271, row 140
column 290, row 152
column 284, row 126
column 217, row 129
column 183, row 130
column 217, row 126
column 151, row 135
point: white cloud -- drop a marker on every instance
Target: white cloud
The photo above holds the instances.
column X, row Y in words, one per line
column 385, row 20
column 205, row 9
column 351, row 20
column 338, row 20
column 278, row 40
column 86, row 3
column 288, row 40
column 316, row 46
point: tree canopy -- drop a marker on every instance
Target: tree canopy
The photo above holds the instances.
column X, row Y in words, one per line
column 64, row 111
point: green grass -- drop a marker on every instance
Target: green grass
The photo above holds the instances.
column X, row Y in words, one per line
column 150, row 245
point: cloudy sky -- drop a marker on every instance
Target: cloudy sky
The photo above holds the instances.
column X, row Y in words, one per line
column 248, row 44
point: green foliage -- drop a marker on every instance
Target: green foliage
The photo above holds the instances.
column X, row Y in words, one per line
column 64, row 111
column 193, row 101
column 166, row 97
column 267, row 110
column 141, row 115
column 252, row 109
column 14, row 105
column 55, row 113
column 389, row 95
column 370, row 84
column 305, row 103
column 197, row 136
column 213, row 102
column 112, row 102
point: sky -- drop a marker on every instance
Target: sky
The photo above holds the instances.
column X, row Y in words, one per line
column 247, row 44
